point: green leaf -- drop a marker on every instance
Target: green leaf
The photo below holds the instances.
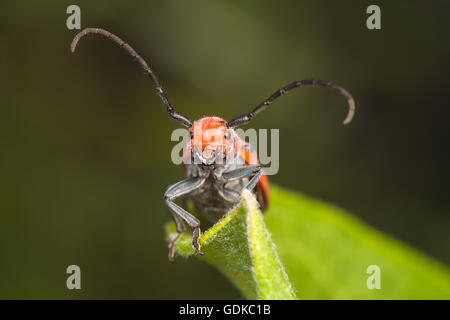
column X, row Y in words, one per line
column 239, row 245
column 324, row 250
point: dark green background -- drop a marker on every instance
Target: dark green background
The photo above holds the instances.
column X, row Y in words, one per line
column 85, row 141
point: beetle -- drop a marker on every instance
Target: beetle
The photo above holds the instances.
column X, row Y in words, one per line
column 218, row 164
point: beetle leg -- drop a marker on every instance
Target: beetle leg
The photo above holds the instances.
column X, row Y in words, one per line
column 243, row 172
column 180, row 229
column 179, row 189
column 230, row 195
column 254, row 180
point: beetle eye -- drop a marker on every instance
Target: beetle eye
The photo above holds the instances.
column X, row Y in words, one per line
column 191, row 134
column 227, row 135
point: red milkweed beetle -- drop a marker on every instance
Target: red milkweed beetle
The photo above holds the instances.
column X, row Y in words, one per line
column 213, row 182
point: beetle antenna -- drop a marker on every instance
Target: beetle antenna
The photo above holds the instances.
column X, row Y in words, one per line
column 246, row 118
column 173, row 114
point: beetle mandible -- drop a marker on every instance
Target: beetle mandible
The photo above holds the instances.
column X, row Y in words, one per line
column 219, row 165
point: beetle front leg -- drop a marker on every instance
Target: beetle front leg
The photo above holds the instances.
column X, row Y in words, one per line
column 180, row 229
column 179, row 189
column 254, row 180
column 243, row 172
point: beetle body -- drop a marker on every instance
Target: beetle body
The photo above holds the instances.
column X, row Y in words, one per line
column 212, row 140
column 219, row 165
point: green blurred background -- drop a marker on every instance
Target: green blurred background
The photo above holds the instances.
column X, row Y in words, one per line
column 85, row 141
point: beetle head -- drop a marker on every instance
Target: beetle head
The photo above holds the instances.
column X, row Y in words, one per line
column 211, row 140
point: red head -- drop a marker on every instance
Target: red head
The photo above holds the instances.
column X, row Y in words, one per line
column 211, row 140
